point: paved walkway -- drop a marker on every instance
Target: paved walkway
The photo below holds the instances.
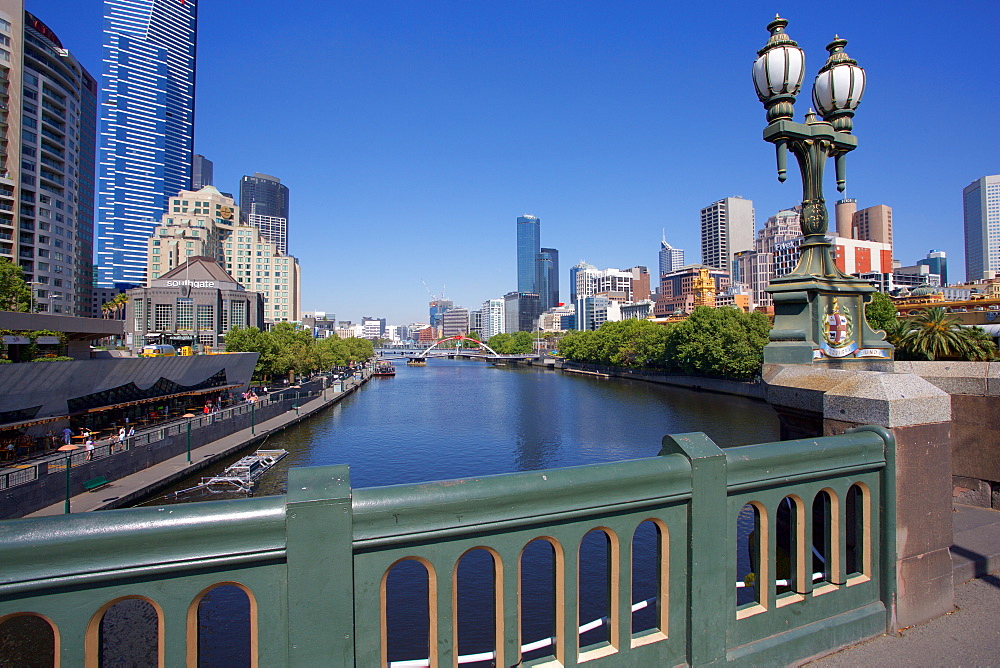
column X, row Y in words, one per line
column 970, row 636
column 126, row 490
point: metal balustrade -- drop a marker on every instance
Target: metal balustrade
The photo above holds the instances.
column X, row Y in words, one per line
column 314, row 564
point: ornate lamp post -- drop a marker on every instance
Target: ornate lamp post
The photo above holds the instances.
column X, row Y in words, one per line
column 818, row 309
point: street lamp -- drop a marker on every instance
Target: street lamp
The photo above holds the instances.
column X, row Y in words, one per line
column 818, row 309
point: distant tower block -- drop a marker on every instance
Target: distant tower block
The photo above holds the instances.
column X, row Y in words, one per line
column 845, row 218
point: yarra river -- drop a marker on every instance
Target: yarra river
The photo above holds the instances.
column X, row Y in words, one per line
column 455, row 419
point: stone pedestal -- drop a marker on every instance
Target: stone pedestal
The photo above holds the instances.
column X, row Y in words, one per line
column 830, row 401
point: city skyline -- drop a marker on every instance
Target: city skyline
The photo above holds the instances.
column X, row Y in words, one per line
column 593, row 149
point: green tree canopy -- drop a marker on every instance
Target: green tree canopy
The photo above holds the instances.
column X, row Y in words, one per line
column 724, row 342
column 880, row 312
column 15, row 294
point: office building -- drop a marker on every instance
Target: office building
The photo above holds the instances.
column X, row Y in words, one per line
column 147, row 127
column 981, row 212
column 727, row 227
column 557, row 319
column 677, row 292
column 851, row 256
column 438, row 307
column 372, row 328
column 202, row 172
column 455, row 322
column 594, row 311
column 48, row 107
column 670, row 258
column 548, row 277
column 937, row 262
column 264, row 204
column 591, row 281
column 528, row 247
column 206, row 223
column 873, row 224
column 521, row 311
column 755, row 268
column 640, row 283
column 194, row 304
column 492, row 318
column 844, row 212
column 574, row 271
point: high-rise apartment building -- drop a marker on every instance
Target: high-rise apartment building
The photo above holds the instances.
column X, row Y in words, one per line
column 844, row 212
column 671, row 258
column 937, row 263
column 264, row 204
column 981, row 211
column 528, row 246
column 147, row 127
column 48, row 107
column 874, row 224
column 202, row 172
column 640, row 283
column 727, row 226
column 492, row 318
column 206, row 223
column 548, row 277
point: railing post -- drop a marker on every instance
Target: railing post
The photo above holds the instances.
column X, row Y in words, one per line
column 708, row 540
column 320, row 562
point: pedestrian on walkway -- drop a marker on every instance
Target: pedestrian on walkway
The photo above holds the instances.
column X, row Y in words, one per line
column 90, row 448
column 67, row 436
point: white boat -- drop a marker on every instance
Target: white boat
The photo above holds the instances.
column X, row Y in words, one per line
column 241, row 475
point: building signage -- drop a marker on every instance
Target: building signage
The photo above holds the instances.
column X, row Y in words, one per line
column 193, row 284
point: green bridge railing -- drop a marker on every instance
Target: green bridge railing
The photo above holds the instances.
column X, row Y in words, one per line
column 314, row 566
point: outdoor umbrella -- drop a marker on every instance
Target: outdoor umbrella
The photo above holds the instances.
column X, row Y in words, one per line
column 68, row 447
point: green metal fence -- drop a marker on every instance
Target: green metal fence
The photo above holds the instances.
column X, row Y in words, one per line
column 314, row 564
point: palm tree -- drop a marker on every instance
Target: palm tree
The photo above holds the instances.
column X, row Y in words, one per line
column 936, row 333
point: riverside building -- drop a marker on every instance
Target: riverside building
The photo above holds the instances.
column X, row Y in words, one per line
column 194, row 305
column 264, row 204
column 147, row 128
column 206, row 223
column 48, row 107
column 727, row 227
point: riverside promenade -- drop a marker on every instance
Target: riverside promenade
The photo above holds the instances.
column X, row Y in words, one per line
column 129, row 489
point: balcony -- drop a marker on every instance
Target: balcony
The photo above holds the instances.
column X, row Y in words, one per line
column 54, row 137
column 54, row 109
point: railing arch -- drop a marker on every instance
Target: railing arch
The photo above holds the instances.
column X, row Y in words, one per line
column 92, row 637
column 193, row 627
column 52, row 627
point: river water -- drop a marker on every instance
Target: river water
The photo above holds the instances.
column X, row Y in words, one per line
column 454, row 419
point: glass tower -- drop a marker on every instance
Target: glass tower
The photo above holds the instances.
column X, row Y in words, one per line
column 264, row 204
column 981, row 209
column 528, row 243
column 548, row 277
column 147, row 127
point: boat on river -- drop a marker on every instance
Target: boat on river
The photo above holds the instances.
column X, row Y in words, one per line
column 384, row 369
column 416, row 361
column 241, row 475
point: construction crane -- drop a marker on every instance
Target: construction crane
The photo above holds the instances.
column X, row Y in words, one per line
column 434, row 297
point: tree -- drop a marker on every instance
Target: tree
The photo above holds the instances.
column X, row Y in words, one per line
column 252, row 340
column 880, row 312
column 723, row 342
column 15, row 294
column 935, row 333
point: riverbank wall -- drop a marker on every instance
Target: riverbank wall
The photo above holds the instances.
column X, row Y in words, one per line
column 158, row 458
column 747, row 389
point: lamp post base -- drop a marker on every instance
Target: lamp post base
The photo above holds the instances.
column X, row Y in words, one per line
column 821, row 320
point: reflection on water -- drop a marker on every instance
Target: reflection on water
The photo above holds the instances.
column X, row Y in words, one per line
column 454, row 419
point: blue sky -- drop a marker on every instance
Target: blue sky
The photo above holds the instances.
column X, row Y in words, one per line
column 412, row 134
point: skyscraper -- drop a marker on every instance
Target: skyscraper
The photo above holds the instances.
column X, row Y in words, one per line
column 937, row 263
column 202, row 172
column 548, row 277
column 147, row 127
column 671, row 258
column 981, row 209
column 47, row 134
column 874, row 223
column 528, row 246
column 727, row 227
column 264, row 204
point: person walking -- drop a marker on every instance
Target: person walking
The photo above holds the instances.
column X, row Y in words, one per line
column 67, row 434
